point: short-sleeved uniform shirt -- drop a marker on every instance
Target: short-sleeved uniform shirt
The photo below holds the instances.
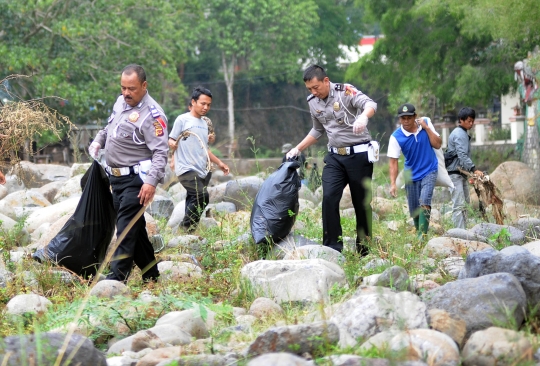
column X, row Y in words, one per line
column 135, row 134
column 191, row 154
column 336, row 115
column 420, row 159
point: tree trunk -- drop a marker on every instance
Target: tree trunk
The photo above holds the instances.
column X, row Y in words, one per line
column 531, row 150
column 228, row 74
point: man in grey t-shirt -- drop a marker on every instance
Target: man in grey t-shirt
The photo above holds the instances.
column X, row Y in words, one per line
column 193, row 158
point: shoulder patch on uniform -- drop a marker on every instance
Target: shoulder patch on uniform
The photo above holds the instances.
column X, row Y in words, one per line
column 311, row 96
column 161, row 122
column 339, row 87
column 154, row 111
column 158, row 128
column 350, row 89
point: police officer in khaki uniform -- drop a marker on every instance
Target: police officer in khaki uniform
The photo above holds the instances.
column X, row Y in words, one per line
column 343, row 112
column 136, row 148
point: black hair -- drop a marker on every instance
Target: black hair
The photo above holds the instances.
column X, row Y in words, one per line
column 198, row 91
column 138, row 69
column 465, row 113
column 314, row 71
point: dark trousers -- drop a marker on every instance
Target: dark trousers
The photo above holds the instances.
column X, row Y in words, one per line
column 197, row 197
column 340, row 170
column 135, row 246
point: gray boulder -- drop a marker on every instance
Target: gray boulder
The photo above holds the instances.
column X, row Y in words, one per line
column 419, row 345
column 444, row 247
column 50, row 190
column 79, row 168
column 43, row 349
column 13, row 184
column 290, row 243
column 529, row 226
column 264, row 307
column 308, row 280
column 396, row 278
column 316, row 251
column 465, row 235
column 217, row 193
column 51, row 213
column 489, row 230
column 192, row 243
column 517, row 182
column 161, row 207
column 190, row 321
column 282, row 359
column 242, row 192
column 481, row 302
column 36, row 175
column 515, row 260
column 178, row 271
column 219, row 177
column 70, row 189
column 497, row 346
column 159, row 336
column 196, row 360
column 109, row 289
column 220, row 208
column 372, row 310
column 533, row 247
column 295, row 338
column 27, row 303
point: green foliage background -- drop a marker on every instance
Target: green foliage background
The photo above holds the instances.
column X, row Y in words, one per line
column 438, row 54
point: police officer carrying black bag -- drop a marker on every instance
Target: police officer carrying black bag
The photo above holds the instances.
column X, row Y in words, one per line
column 343, row 112
column 135, row 141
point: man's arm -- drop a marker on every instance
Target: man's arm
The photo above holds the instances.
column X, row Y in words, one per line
column 464, row 161
column 434, row 139
column 214, row 159
column 304, row 144
column 173, row 144
column 393, row 165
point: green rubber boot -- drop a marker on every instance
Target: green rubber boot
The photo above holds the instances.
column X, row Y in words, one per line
column 416, row 219
column 423, row 222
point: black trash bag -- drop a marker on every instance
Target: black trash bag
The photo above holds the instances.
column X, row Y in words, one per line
column 81, row 244
column 276, row 205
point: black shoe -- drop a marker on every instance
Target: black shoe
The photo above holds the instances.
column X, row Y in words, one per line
column 362, row 249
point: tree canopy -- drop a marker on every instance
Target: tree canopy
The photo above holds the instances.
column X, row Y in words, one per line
column 433, row 53
column 76, row 49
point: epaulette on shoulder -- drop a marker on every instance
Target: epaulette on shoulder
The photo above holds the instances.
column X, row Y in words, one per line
column 339, row 87
column 311, row 96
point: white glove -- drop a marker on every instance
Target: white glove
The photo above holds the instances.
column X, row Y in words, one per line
column 93, row 149
column 360, row 124
column 293, row 153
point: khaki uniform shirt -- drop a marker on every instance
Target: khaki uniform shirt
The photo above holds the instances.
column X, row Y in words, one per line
column 337, row 113
column 134, row 134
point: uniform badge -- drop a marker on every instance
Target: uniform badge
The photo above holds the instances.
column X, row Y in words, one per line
column 405, row 109
column 133, row 117
column 158, row 128
column 336, row 106
column 111, row 117
column 350, row 90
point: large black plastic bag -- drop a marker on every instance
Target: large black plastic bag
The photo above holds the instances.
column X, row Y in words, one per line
column 276, row 205
column 81, row 244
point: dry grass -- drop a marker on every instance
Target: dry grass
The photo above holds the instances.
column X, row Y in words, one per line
column 21, row 122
